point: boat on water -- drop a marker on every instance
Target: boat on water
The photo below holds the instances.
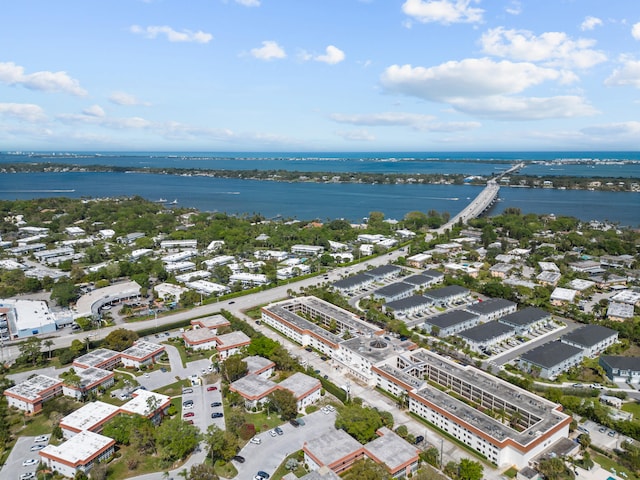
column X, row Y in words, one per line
column 161, row 200
column 175, row 202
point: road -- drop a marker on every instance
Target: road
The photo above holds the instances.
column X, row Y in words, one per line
column 63, row 338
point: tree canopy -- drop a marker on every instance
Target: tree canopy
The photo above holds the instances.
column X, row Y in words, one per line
column 120, row 339
column 359, row 422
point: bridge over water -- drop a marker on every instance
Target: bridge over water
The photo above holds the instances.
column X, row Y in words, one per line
column 483, row 202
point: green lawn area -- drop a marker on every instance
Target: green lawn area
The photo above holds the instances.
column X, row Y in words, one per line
column 282, row 469
column 120, row 467
column 262, row 422
column 225, row 469
column 173, row 389
column 632, row 407
column 608, row 463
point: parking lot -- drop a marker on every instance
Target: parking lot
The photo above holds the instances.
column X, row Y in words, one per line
column 200, row 398
column 272, row 450
column 16, row 465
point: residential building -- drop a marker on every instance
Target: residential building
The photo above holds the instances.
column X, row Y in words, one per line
column 307, row 249
column 200, row 339
column 90, row 303
column 260, row 366
column 78, row 454
column 393, row 291
column 100, row 358
column 141, row 354
column 551, row 359
column 151, row 405
column 620, row 312
column 492, row 309
column 26, row 318
column 408, row 306
column 451, row 322
column 90, row 417
column 91, row 380
column 621, row 369
column 483, row 337
column 446, row 295
column 30, row 395
column 231, row 343
column 305, row 389
column 592, row 339
column 212, row 322
column 526, row 320
column 535, row 423
column 562, row 296
column 500, row 270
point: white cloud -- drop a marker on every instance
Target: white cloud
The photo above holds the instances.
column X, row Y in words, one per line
column 622, row 129
column 419, row 122
column 172, row 35
column 551, row 48
column 126, row 99
column 249, row 3
column 382, row 119
column 501, row 107
column 515, row 8
column 116, row 123
column 45, row 81
column 268, row 51
column 332, row 56
column 94, row 111
column 27, row 112
column 356, row 135
column 467, row 78
column 590, row 23
column 635, row 31
column 628, row 74
column 443, row 11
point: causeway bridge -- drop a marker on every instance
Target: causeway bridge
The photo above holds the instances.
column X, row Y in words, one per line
column 483, row 202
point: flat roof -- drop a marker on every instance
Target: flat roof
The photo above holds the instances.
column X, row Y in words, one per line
column 430, row 272
column 253, row 386
column 543, row 414
column 563, row 294
column 256, row 363
column 213, row 321
column 417, row 280
column 451, row 318
column 620, row 310
column 31, row 388
column 589, row 335
column 626, row 296
column 97, row 357
column 354, row 281
column 198, row 335
column 142, row 349
column 79, row 448
column 622, row 363
column 89, row 415
column 91, row 375
column 332, row 446
column 580, row 284
column 550, row 354
column 300, row 384
column 526, row 316
column 27, row 314
column 139, row 403
column 486, row 331
column 105, row 295
column 233, row 338
column 391, row 449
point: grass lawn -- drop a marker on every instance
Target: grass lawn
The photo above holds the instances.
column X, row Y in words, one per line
column 281, row 471
column 608, row 463
column 174, row 389
column 262, row 422
column 119, row 467
column 633, row 408
column 511, row 472
column 190, row 356
column 225, row 469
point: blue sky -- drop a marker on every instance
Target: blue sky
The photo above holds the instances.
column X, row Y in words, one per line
column 319, row 75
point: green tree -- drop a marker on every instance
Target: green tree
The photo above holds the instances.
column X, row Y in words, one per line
column 431, row 456
column 234, row 368
column 120, row 339
column 222, row 445
column 64, row 292
column 552, row 468
column 285, row 403
column 30, row 351
column 359, row 422
column 366, row 469
column 176, row 439
column 470, row 470
column 203, row 472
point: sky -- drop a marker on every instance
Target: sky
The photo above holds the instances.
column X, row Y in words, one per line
column 319, row 75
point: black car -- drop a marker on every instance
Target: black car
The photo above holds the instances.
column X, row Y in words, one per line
column 309, row 349
column 216, row 415
column 216, row 404
column 419, row 439
column 187, row 403
column 238, row 458
column 294, row 422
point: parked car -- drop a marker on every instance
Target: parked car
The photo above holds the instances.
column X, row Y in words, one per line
column 29, row 461
column 211, row 388
column 187, row 403
column 163, row 370
column 278, row 430
column 216, row 404
column 189, row 414
column 419, row 439
column 255, row 441
column 294, row 422
column 238, row 458
column 27, row 476
column 216, row 415
column 262, row 474
column 187, row 390
column 272, row 433
column 41, row 438
column 36, row 447
column 300, row 421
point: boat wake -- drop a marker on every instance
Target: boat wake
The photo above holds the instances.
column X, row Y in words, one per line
column 40, row 191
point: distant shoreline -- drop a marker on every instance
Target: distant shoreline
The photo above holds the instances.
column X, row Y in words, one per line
column 559, row 182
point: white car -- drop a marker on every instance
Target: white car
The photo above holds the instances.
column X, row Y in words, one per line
column 273, row 433
column 41, row 438
column 255, row 440
column 27, row 476
column 30, row 461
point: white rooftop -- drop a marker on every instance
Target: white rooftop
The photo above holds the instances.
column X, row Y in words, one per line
column 28, row 314
column 31, row 388
column 89, row 415
column 139, row 404
column 79, row 448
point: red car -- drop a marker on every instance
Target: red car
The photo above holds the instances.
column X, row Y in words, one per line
column 188, row 414
column 211, row 388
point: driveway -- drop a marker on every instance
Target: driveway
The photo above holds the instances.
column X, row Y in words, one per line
column 273, row 450
column 13, row 468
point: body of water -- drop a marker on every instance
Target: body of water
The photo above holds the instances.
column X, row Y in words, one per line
column 306, row 201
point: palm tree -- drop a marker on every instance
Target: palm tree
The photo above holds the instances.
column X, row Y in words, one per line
column 49, row 344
